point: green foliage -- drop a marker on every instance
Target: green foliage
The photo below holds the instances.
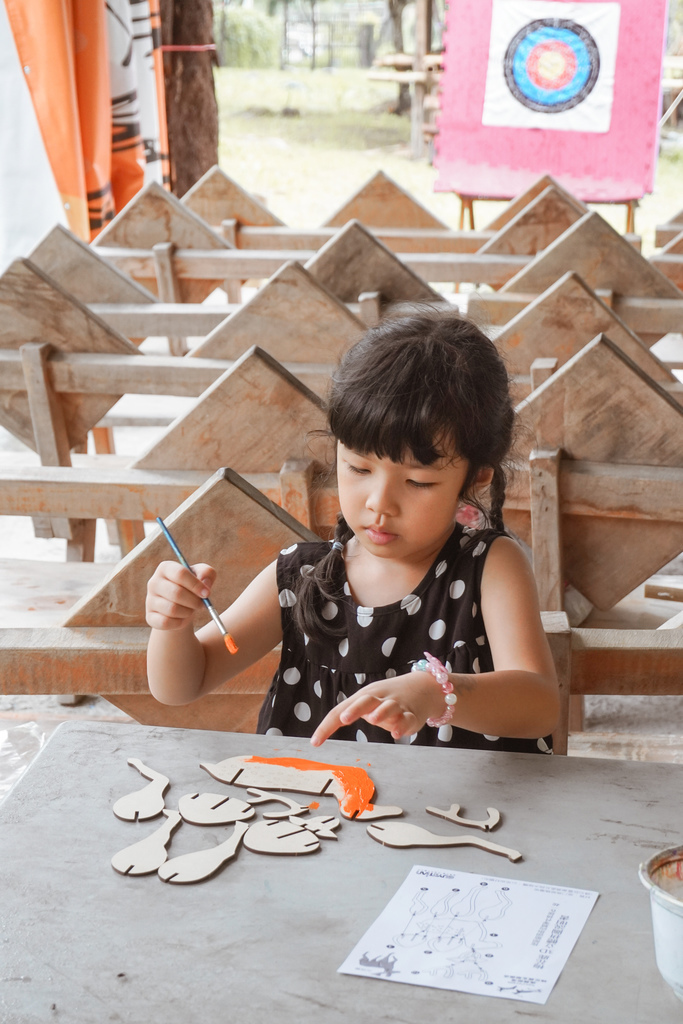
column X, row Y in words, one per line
column 245, row 38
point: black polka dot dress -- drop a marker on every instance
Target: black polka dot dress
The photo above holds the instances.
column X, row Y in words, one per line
column 442, row 616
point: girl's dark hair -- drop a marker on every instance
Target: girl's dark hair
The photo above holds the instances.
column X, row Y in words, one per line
column 426, row 385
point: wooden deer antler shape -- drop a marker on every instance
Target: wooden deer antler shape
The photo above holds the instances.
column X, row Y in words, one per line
column 195, row 867
column 281, row 837
column 143, row 803
column 453, row 814
column 261, row 796
column 150, row 853
column 213, row 809
column 401, row 834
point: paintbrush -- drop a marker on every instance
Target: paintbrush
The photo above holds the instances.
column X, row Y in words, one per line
column 228, row 640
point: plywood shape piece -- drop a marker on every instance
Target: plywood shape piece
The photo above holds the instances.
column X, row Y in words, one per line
column 351, row 785
column 293, row 317
column 381, row 203
column 560, row 321
column 354, row 261
column 147, row 855
column 453, row 815
column 202, row 864
column 291, row 807
column 34, row 308
column 401, row 834
column 253, row 418
column 81, row 271
column 538, row 224
column 144, row 803
column 601, row 407
column 216, row 197
column 322, row 826
column 281, row 837
column 226, row 522
column 601, row 256
column 213, row 809
column 155, row 215
column 526, row 197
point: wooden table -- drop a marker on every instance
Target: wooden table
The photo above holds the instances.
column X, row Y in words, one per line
column 262, row 940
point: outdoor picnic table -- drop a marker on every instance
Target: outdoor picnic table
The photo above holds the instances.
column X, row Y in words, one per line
column 263, row 939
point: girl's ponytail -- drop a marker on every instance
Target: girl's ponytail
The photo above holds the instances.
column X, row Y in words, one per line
column 497, row 494
column 318, row 587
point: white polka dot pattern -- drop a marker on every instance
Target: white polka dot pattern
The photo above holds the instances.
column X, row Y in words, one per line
column 437, row 629
column 360, row 736
column 388, row 646
column 479, row 550
column 287, row 598
column 457, row 589
column 288, row 551
column 543, row 746
column 302, row 711
column 445, row 733
column 491, row 739
column 390, row 673
column 317, row 688
column 344, row 647
column 273, row 731
column 364, row 615
column 360, row 678
column 411, row 604
column 330, row 610
column 291, row 676
column 440, row 569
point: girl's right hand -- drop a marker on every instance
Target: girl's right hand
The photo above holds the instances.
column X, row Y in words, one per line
column 174, row 594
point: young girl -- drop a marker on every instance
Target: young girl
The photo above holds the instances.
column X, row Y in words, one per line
column 408, row 626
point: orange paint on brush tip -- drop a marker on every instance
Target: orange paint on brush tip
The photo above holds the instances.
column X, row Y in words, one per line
column 230, row 644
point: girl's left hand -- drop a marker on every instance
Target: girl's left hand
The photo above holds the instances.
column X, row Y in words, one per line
column 400, row 705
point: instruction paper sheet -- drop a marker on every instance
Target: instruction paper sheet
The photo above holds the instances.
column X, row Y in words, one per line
column 473, row 933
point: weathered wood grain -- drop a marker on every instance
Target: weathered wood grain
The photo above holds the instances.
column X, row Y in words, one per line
column 540, row 222
column 380, row 202
column 216, row 197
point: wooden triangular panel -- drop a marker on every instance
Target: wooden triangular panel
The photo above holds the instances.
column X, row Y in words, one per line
column 675, row 246
column 524, row 198
column 354, row 261
column 226, row 522
column 561, row 321
column 254, row 417
column 293, row 317
column 155, row 215
column 381, row 203
column 33, row 308
column 538, row 224
column 216, row 197
column 601, row 407
column 603, row 258
column 79, row 270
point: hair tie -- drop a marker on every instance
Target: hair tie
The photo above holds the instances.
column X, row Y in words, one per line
column 337, row 546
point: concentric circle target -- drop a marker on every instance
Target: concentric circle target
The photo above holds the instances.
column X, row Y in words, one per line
column 551, row 65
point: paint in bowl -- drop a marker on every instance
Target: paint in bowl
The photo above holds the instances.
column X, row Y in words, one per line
column 663, row 876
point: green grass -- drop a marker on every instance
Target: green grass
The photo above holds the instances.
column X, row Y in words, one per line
column 307, row 165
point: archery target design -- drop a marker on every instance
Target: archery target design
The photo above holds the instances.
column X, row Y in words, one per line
column 551, row 65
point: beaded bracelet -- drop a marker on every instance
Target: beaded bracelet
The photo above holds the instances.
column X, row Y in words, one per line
column 440, row 673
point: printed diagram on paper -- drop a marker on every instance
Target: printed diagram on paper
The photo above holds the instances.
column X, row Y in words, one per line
column 473, row 933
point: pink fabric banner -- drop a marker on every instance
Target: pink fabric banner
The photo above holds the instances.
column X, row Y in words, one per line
column 566, row 87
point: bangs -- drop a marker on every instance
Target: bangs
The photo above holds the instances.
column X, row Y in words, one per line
column 395, row 419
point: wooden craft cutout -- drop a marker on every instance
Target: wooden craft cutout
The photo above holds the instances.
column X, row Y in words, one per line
column 400, row 834
column 293, row 317
column 153, row 216
column 351, row 785
column 149, row 854
column 322, row 826
column 216, row 197
column 603, row 258
column 195, row 867
column 354, row 261
column 523, row 199
column 253, row 418
column 213, row 809
column 453, row 814
column 291, row 807
column 281, row 837
column 143, row 803
column 381, row 203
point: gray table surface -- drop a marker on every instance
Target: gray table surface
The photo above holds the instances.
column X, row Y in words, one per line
column 263, row 939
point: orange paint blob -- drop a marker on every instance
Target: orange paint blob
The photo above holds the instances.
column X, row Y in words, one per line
column 357, row 785
column 314, row 805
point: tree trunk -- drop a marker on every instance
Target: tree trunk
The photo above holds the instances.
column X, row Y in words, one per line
column 396, row 14
column 191, row 109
